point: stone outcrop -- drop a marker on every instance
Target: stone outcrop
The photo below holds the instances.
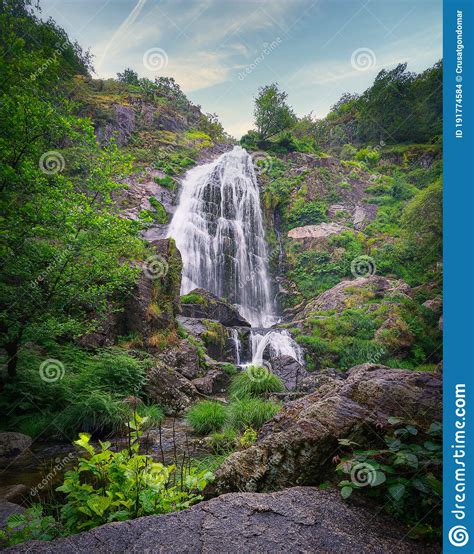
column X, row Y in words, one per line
column 213, row 308
column 168, row 388
column 13, row 444
column 336, row 297
column 297, row 445
column 290, row 371
column 321, row 231
column 214, row 382
column 297, row 520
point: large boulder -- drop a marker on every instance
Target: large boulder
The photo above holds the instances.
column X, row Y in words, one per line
column 336, row 297
column 301, row 519
column 297, row 445
column 290, row 371
column 211, row 307
column 14, row 444
column 214, row 382
column 168, row 388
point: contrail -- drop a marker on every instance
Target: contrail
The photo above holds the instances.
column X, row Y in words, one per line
column 132, row 16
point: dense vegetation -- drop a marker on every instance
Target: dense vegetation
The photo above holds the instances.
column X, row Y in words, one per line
column 73, row 149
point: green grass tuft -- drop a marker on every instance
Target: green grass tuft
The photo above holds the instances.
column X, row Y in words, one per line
column 253, row 382
column 207, row 416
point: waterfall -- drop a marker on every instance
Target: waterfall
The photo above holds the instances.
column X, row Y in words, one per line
column 218, row 229
column 279, row 342
column 234, row 335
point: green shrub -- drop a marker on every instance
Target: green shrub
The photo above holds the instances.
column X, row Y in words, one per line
column 405, row 474
column 166, row 181
column 305, row 212
column 348, row 152
column 96, row 411
column 230, row 369
column 207, row 416
column 249, row 437
column 251, row 412
column 152, row 413
column 369, row 156
column 253, row 382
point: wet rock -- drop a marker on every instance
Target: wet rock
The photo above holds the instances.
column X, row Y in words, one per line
column 184, row 357
column 7, row 509
column 297, row 445
column 301, row 519
column 316, row 379
column 290, row 371
column 14, row 444
column 214, row 382
column 168, row 388
column 213, row 308
column 13, row 493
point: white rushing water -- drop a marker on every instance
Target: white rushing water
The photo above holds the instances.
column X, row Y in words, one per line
column 218, row 229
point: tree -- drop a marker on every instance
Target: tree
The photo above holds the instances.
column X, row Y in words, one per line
column 64, row 248
column 128, row 77
column 272, row 113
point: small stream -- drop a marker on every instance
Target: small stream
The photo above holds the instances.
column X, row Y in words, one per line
column 41, row 469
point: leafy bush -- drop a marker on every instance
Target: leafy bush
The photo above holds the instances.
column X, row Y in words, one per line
column 369, row 156
column 307, row 213
column 116, row 486
column 31, row 525
column 207, row 416
column 249, row 437
column 253, row 382
column 405, row 475
column 166, row 181
column 348, row 152
column 251, row 412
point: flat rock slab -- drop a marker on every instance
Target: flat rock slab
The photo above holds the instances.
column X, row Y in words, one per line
column 300, row 519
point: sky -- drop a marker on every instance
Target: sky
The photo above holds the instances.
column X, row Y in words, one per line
column 221, row 51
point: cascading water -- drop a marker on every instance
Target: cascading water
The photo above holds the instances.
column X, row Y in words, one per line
column 218, row 229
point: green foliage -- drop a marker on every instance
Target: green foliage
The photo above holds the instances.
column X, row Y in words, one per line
column 160, row 214
column 166, row 181
column 223, row 442
column 88, row 391
column 115, row 486
column 192, row 298
column 305, row 212
column 405, row 474
column 255, row 381
column 251, row 412
column 65, row 249
column 369, row 156
column 30, row 525
column 230, row 369
column 272, row 114
column 348, row 152
column 128, row 77
column 215, row 334
column 207, row 416
column 249, row 437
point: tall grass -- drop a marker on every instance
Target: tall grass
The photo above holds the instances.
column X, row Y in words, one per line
column 251, row 412
column 254, row 382
column 207, row 417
